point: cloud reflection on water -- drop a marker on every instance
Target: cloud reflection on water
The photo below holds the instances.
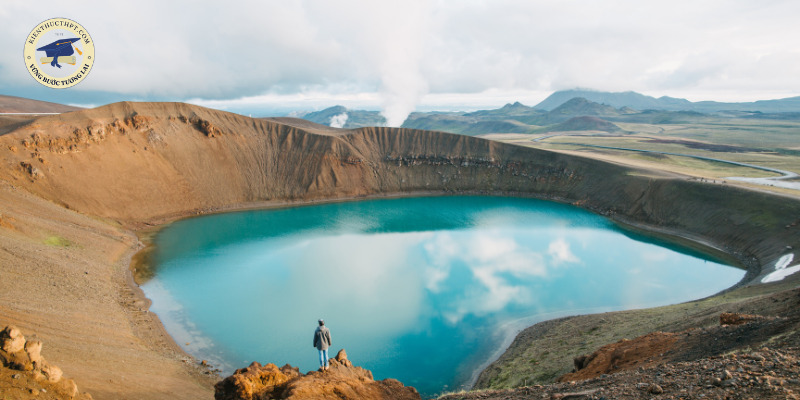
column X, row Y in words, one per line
column 434, row 278
column 500, row 268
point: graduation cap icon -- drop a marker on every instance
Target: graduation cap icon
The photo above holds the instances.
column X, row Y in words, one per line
column 60, row 50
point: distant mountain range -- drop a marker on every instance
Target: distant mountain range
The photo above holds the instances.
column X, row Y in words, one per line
column 565, row 110
column 639, row 101
column 561, row 111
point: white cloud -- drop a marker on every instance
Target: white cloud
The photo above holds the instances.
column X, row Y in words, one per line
column 560, row 253
column 367, row 271
column 441, row 249
column 487, row 248
column 406, row 54
column 488, row 258
column 499, row 292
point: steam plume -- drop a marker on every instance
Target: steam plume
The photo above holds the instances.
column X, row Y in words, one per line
column 402, row 50
column 338, row 121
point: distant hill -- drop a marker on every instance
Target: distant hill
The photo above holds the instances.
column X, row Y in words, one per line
column 445, row 122
column 511, row 118
column 11, row 104
column 509, row 110
column 639, row 101
column 518, row 118
column 341, row 117
column 579, row 106
column 586, row 123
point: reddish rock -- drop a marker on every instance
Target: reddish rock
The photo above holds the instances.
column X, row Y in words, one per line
column 623, row 355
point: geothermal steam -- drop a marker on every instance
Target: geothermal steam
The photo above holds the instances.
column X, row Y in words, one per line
column 338, row 121
column 401, row 48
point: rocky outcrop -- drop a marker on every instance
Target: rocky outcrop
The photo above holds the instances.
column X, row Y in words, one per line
column 207, row 128
column 736, row 331
column 33, row 172
column 623, row 355
column 342, row 380
column 19, row 354
column 737, row 318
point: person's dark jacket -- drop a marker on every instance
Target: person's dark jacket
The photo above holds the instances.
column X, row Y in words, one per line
column 322, row 338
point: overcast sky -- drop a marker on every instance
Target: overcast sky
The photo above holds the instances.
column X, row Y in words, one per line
column 399, row 56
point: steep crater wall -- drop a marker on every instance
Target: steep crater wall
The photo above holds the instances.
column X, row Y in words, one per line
column 145, row 162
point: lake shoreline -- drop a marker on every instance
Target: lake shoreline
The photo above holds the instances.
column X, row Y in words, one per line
column 147, row 234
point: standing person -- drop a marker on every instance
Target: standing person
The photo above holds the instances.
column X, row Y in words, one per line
column 322, row 340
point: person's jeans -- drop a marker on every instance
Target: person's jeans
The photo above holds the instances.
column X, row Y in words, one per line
column 323, row 358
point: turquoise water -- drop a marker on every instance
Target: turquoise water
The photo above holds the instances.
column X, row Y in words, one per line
column 423, row 290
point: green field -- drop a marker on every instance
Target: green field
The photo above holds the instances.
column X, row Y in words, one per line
column 764, row 142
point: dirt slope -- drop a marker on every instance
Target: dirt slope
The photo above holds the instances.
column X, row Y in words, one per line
column 75, row 185
column 11, row 104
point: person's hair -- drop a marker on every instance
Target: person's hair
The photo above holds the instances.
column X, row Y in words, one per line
column 321, row 322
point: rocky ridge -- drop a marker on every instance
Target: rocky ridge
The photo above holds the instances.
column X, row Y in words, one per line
column 342, row 381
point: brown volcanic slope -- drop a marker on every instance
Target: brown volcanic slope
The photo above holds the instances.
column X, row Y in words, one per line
column 73, row 186
column 11, row 104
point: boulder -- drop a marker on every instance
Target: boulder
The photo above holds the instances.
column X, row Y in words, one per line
column 341, row 357
column 34, row 350
column 68, row 388
column 51, row 372
column 11, row 339
column 655, row 389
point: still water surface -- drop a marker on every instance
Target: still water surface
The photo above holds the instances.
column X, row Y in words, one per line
column 423, row 290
